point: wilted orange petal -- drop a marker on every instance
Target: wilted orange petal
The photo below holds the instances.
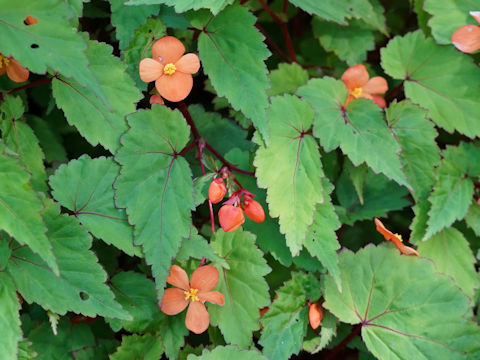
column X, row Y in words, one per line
column 175, row 87
column 376, row 85
column 150, row 70
column 173, row 301
column 407, row 250
column 380, row 101
column 204, row 278
column 212, row 296
column 315, row 315
column 168, row 50
column 178, row 277
column 467, row 38
column 387, row 234
column 476, row 15
column 17, row 72
column 30, row 20
column 197, row 319
column 356, row 76
column 156, row 99
column 188, row 63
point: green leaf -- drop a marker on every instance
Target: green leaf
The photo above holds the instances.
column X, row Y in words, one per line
column 140, row 48
column 228, row 352
column 453, row 190
column 19, row 137
column 290, row 168
column 321, row 239
column 473, row 218
column 172, row 330
column 80, row 287
column 25, row 351
column 451, row 253
column 269, row 237
column 358, row 176
column 328, row 330
column 96, row 122
column 84, row 186
column 419, row 222
column 360, row 131
column 195, row 246
column 137, row 295
column 50, row 139
column 70, row 339
column 448, row 16
column 286, row 79
column 127, row 19
column 20, row 211
column 233, row 56
column 50, row 44
column 407, row 310
column 438, row 78
column 285, row 323
column 215, row 6
column 155, row 185
column 243, row 286
column 416, row 136
column 146, row 347
column 350, row 43
column 10, row 331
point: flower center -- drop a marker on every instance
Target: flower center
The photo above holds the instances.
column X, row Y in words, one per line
column 191, row 294
column 399, row 237
column 357, row 92
column 169, row 69
column 4, row 61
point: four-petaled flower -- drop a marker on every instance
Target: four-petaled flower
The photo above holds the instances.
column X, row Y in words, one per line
column 359, row 85
column 14, row 70
column 195, row 293
column 171, row 71
column 395, row 238
column 467, row 38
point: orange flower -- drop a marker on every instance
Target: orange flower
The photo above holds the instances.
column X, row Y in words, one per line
column 359, row 85
column 171, row 71
column 195, row 293
column 14, row 70
column 467, row 38
column 395, row 238
column 156, row 99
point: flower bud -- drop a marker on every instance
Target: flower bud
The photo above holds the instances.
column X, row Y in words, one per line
column 216, row 190
column 253, row 209
column 315, row 315
column 230, row 217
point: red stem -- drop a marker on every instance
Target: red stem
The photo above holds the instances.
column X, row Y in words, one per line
column 273, row 44
column 200, row 146
column 226, row 163
column 270, row 12
column 285, row 6
column 33, row 84
column 393, row 93
column 186, row 114
column 334, row 352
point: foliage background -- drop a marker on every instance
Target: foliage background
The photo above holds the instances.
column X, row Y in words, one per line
column 100, row 193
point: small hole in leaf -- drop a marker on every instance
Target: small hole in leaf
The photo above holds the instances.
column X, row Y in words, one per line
column 34, row 46
column 84, row 296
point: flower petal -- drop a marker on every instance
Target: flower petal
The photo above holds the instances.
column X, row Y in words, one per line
column 188, row 64
column 3, row 70
column 17, row 72
column 173, row 301
column 212, row 296
column 175, row 87
column 168, row 50
column 197, row 319
column 476, row 15
column 387, row 234
column 356, row 76
column 406, row 250
column 380, row 101
column 178, row 277
column 467, row 38
column 204, row 278
column 150, row 70
column 156, row 99
column 376, row 85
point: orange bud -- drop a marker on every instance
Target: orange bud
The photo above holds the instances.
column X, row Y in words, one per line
column 216, row 190
column 253, row 209
column 230, row 217
column 30, row 20
column 315, row 315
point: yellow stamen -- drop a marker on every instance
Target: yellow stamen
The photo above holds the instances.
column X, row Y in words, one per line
column 192, row 294
column 4, row 61
column 169, row 69
column 399, row 237
column 357, row 92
